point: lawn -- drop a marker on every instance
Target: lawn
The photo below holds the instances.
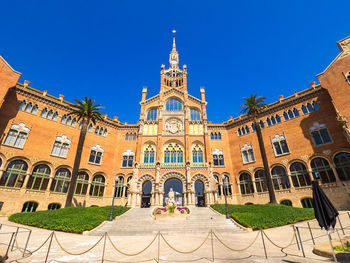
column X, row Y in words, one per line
column 71, row 219
column 265, row 216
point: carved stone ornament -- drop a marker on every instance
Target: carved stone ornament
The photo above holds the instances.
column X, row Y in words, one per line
column 344, row 46
column 173, row 126
column 251, row 168
column 285, row 161
column 305, row 157
column 327, row 152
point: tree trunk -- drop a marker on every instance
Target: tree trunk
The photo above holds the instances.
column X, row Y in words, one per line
column 268, row 178
column 76, row 163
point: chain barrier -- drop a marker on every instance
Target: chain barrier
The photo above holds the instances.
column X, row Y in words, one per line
column 230, row 248
column 131, row 254
column 80, row 253
column 273, row 243
column 35, row 250
column 185, row 252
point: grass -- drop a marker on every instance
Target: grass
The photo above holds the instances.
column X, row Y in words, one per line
column 345, row 249
column 71, row 219
column 265, row 216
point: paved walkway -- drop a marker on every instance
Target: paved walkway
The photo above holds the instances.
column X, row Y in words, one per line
column 180, row 241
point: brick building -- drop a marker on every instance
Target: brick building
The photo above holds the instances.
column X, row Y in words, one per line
column 173, row 145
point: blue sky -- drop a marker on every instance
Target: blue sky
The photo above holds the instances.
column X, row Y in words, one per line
column 108, row 50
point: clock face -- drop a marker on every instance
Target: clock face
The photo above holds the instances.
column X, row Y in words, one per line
column 173, row 62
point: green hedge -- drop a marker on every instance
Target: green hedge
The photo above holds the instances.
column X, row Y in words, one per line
column 71, row 219
column 265, row 216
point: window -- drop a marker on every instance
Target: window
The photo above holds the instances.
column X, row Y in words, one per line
column 268, row 121
column 247, row 154
column 279, row 178
column 49, row 114
column 218, row 183
column 195, row 115
column 216, row 135
column 60, row 182
column 307, row 203
column 90, row 128
column 152, row 115
column 28, row 107
column 119, row 187
column 130, row 136
column 218, row 158
column 173, row 105
column 286, row 202
column 17, row 135
column 280, row 145
column 197, row 154
column 226, row 186
column 309, row 107
column 54, row 206
column 29, row 207
column 126, row 187
column 61, row 146
column 247, row 129
column 262, row 125
column 342, row 165
column 173, row 153
column 321, row 168
column 239, row 132
column 148, row 153
column 22, row 105
column 97, row 186
column 14, row 175
column 315, row 105
column 273, row 120
column 260, row 181
column 278, row 118
column 285, row 116
column 40, row 177
column 296, row 113
column 253, row 127
column 96, row 154
column 319, row 134
column 304, row 109
column 348, row 77
column 300, row 175
column 128, row 158
column 82, row 184
column 246, row 184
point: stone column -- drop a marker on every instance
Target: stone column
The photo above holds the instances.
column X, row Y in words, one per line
column 184, row 198
column 215, row 197
column 290, row 181
column 161, row 197
column 337, row 179
column 129, row 199
column 138, row 200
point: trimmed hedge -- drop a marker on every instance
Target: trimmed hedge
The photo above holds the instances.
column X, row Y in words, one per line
column 265, row 216
column 71, row 219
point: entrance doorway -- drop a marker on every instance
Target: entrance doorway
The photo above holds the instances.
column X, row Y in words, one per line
column 146, row 194
column 177, row 187
column 200, row 197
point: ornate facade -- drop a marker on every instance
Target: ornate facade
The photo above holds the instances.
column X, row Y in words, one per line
column 174, row 145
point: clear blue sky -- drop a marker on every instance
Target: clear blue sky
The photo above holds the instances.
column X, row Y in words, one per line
column 108, row 50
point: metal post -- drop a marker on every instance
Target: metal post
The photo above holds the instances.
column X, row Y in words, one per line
column 111, row 214
column 330, row 242
column 158, row 246
column 8, row 247
column 0, row 226
column 13, row 244
column 212, row 245
column 312, row 237
column 296, row 238
column 341, row 242
column 301, row 243
column 25, row 247
column 48, row 250
column 348, row 214
column 263, row 241
column 104, row 248
column 341, row 226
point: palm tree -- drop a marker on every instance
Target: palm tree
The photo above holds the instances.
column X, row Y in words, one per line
column 87, row 112
column 253, row 106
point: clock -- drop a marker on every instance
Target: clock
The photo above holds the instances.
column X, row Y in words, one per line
column 173, row 62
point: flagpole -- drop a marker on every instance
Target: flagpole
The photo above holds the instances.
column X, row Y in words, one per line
column 330, row 242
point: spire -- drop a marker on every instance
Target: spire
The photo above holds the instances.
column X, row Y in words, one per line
column 174, row 56
column 174, row 45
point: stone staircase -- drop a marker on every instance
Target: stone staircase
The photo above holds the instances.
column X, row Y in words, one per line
column 138, row 221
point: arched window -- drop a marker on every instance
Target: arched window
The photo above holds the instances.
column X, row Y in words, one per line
column 54, row 206
column 43, row 113
column 134, row 136
column 64, row 119
column 348, row 77
column 247, row 129
column 247, row 153
column 82, row 184
column 285, row 116
column 14, row 175
column 119, row 187
column 246, row 184
column 218, row 158
column 215, row 136
column 22, row 105
column 226, row 186
column 219, row 136
column 273, row 120
column 69, row 120
column 55, row 116
column 212, row 135
column 290, row 114
column 34, row 109
column 39, row 179
column 197, row 154
column 149, row 153
column 342, row 165
column 219, row 186
column 243, row 130
column 97, row 186
column 128, row 158
column 309, row 108
column 60, row 182
column 320, row 134
column 299, row 174
column 280, row 145
column 278, row 118
column 268, row 121
column 260, row 181
column 29, row 207
column 306, row 203
column 320, row 168
column 286, row 202
column 61, row 146
column 253, row 127
column 262, row 124
column 97, row 129
column 195, row 115
column 17, row 135
column 96, row 154
column 279, row 178
column 28, row 107
column 296, row 112
column 173, row 105
column 173, row 153
column 90, row 128
column 315, row 105
column 304, row 109
column 74, row 122
column 49, row 115
column 152, row 115
column 105, row 132
column 126, row 187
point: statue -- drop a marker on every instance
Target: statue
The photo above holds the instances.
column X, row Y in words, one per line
column 171, row 197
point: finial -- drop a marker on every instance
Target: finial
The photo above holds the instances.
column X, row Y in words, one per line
column 174, row 31
column 174, row 45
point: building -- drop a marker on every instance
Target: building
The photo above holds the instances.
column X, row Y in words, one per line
column 173, row 145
